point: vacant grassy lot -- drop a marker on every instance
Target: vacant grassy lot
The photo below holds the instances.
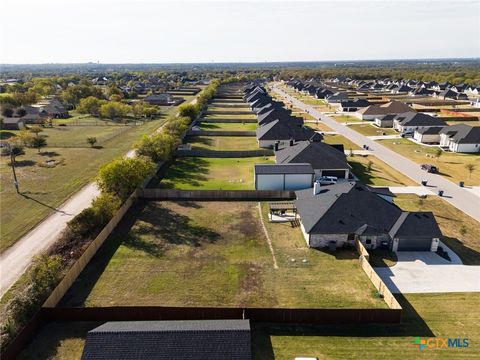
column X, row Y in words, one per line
column 318, row 126
column 380, row 174
column 228, row 126
column 211, row 173
column 372, row 130
column 340, row 139
column 223, row 143
column 460, row 230
column 216, row 254
column 455, row 315
column 45, row 188
column 452, row 165
column 345, row 118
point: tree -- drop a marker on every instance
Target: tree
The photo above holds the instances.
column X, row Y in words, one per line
column 115, row 97
column 39, row 142
column 122, row 176
column 158, row 147
column 7, row 112
column 369, row 166
column 438, row 153
column 26, row 137
column 114, row 110
column 90, row 105
column 92, row 140
column 35, row 130
column 21, row 112
column 188, row 110
column 470, row 168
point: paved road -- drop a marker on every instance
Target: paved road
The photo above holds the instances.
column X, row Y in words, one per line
column 461, row 198
column 426, row 272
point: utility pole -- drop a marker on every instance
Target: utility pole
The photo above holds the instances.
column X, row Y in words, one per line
column 12, row 164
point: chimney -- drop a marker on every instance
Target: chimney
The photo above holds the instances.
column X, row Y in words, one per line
column 316, row 187
column 291, row 142
column 276, row 145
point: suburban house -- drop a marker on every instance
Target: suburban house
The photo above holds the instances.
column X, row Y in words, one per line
column 53, row 109
column 428, row 135
column 451, row 94
column 337, row 97
column 280, row 131
column 353, row 105
column 181, row 339
column 460, row 138
column 385, row 121
column 323, row 93
column 163, row 99
column 410, row 121
column 279, row 114
column 12, row 123
column 325, row 159
column 283, row 176
column 334, row 216
column 373, row 111
column 421, row 91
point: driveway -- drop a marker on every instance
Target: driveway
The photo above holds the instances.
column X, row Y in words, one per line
column 459, row 197
column 426, row 272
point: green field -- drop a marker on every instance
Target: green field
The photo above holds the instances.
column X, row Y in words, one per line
column 206, row 126
column 372, row 130
column 451, row 165
column 219, row 253
column 211, row 173
column 345, row 118
column 380, row 174
column 223, row 143
column 230, row 116
column 50, row 177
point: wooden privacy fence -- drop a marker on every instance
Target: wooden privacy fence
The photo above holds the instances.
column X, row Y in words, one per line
column 212, row 195
column 227, row 112
column 220, row 133
column 232, row 101
column 223, row 154
column 375, row 279
column 268, row 315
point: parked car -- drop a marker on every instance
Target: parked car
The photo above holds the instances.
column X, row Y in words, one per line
column 327, row 180
column 407, row 134
column 429, row 168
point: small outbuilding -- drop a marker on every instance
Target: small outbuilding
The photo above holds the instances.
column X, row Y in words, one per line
column 283, row 176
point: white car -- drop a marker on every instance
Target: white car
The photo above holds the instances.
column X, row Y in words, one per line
column 327, row 180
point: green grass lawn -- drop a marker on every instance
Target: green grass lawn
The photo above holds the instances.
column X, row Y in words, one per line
column 455, row 315
column 380, row 174
column 223, row 143
column 345, row 118
column 452, row 223
column 230, row 116
column 211, row 173
column 206, row 126
column 216, row 254
column 45, row 188
column 451, row 165
column 340, row 139
column 372, row 130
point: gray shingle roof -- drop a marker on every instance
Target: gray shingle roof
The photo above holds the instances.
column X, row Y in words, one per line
column 318, row 154
column 284, row 169
column 463, row 134
column 416, row 224
column 284, row 131
column 412, row 118
column 196, row 339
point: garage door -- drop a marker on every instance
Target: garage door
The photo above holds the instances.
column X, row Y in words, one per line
column 338, row 173
column 269, row 182
column 414, row 244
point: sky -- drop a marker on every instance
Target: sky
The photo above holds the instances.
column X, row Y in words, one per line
column 156, row 31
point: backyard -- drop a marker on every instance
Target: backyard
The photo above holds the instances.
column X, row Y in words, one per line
column 223, row 143
column 345, row 118
column 340, row 139
column 210, row 173
column 207, row 126
column 218, row 251
column 451, row 165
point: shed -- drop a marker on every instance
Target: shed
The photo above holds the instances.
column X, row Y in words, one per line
column 283, row 176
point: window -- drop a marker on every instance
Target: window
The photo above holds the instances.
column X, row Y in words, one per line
column 350, row 237
column 368, row 241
